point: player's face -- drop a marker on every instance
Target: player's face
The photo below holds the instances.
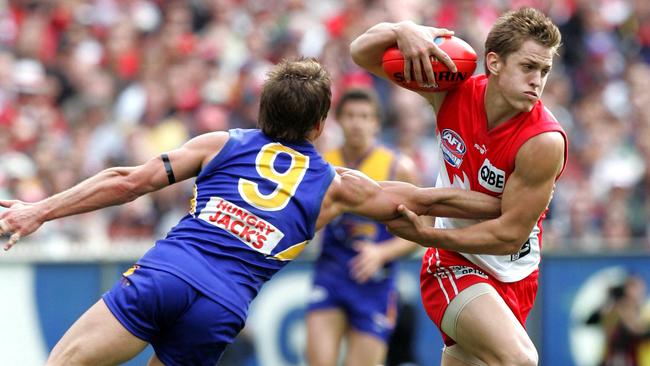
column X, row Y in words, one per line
column 522, row 76
column 360, row 123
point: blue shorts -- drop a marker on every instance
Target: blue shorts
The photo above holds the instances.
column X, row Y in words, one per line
column 183, row 326
column 369, row 308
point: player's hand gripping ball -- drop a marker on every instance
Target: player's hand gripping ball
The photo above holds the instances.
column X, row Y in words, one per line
column 458, row 50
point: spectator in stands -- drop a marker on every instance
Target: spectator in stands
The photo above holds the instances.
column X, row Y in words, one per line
column 154, row 68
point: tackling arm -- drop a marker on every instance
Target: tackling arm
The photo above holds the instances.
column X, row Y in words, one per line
column 352, row 191
column 527, row 194
column 444, row 202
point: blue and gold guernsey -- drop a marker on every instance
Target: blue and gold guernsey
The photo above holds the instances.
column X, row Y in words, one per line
column 254, row 209
column 339, row 236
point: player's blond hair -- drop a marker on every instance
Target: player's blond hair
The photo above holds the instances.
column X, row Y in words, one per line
column 295, row 97
column 515, row 27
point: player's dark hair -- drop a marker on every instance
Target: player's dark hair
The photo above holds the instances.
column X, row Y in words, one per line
column 515, row 27
column 358, row 94
column 295, row 97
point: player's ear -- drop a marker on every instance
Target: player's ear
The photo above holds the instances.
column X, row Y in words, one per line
column 493, row 63
column 319, row 127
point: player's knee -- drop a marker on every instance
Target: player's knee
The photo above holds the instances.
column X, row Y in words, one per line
column 534, row 357
column 523, row 354
column 525, row 358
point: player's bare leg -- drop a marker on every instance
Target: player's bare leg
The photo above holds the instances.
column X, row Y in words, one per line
column 486, row 330
column 458, row 356
column 325, row 329
column 96, row 339
column 155, row 361
column 364, row 349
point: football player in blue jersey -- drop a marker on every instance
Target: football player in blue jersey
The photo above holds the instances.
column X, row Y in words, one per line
column 260, row 195
column 354, row 296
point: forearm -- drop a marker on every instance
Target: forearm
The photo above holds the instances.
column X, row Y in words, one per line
column 108, row 188
column 443, row 202
column 367, row 50
column 457, row 203
column 494, row 237
column 379, row 201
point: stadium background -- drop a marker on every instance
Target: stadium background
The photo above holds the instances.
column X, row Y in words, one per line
column 89, row 84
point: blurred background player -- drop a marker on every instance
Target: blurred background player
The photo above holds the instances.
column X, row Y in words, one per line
column 479, row 282
column 259, row 197
column 354, row 297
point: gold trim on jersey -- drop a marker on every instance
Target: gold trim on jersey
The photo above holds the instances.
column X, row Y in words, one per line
column 292, row 252
column 130, row 271
column 195, row 193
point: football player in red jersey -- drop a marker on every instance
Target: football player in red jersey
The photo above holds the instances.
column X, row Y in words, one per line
column 479, row 279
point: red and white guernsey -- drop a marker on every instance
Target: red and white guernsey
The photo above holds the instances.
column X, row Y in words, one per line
column 480, row 160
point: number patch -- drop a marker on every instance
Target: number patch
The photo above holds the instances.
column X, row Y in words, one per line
column 287, row 182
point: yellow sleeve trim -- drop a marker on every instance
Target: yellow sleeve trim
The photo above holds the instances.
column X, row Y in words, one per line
column 292, row 252
column 130, row 270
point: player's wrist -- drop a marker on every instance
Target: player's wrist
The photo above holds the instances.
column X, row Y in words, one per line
column 43, row 211
column 400, row 27
column 429, row 237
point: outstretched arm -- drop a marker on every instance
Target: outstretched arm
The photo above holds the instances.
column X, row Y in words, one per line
column 444, row 202
column 352, row 191
column 527, row 194
column 110, row 187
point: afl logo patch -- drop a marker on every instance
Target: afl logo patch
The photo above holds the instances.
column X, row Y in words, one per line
column 453, row 147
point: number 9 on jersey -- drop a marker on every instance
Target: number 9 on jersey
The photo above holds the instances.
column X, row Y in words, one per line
column 287, row 182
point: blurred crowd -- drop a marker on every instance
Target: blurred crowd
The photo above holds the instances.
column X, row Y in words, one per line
column 89, row 84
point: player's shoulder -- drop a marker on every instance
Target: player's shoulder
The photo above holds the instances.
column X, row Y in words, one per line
column 541, row 120
column 546, row 113
column 542, row 115
column 254, row 138
column 247, row 135
column 543, row 128
column 551, row 145
column 209, row 141
column 546, row 140
column 472, row 89
column 475, row 82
